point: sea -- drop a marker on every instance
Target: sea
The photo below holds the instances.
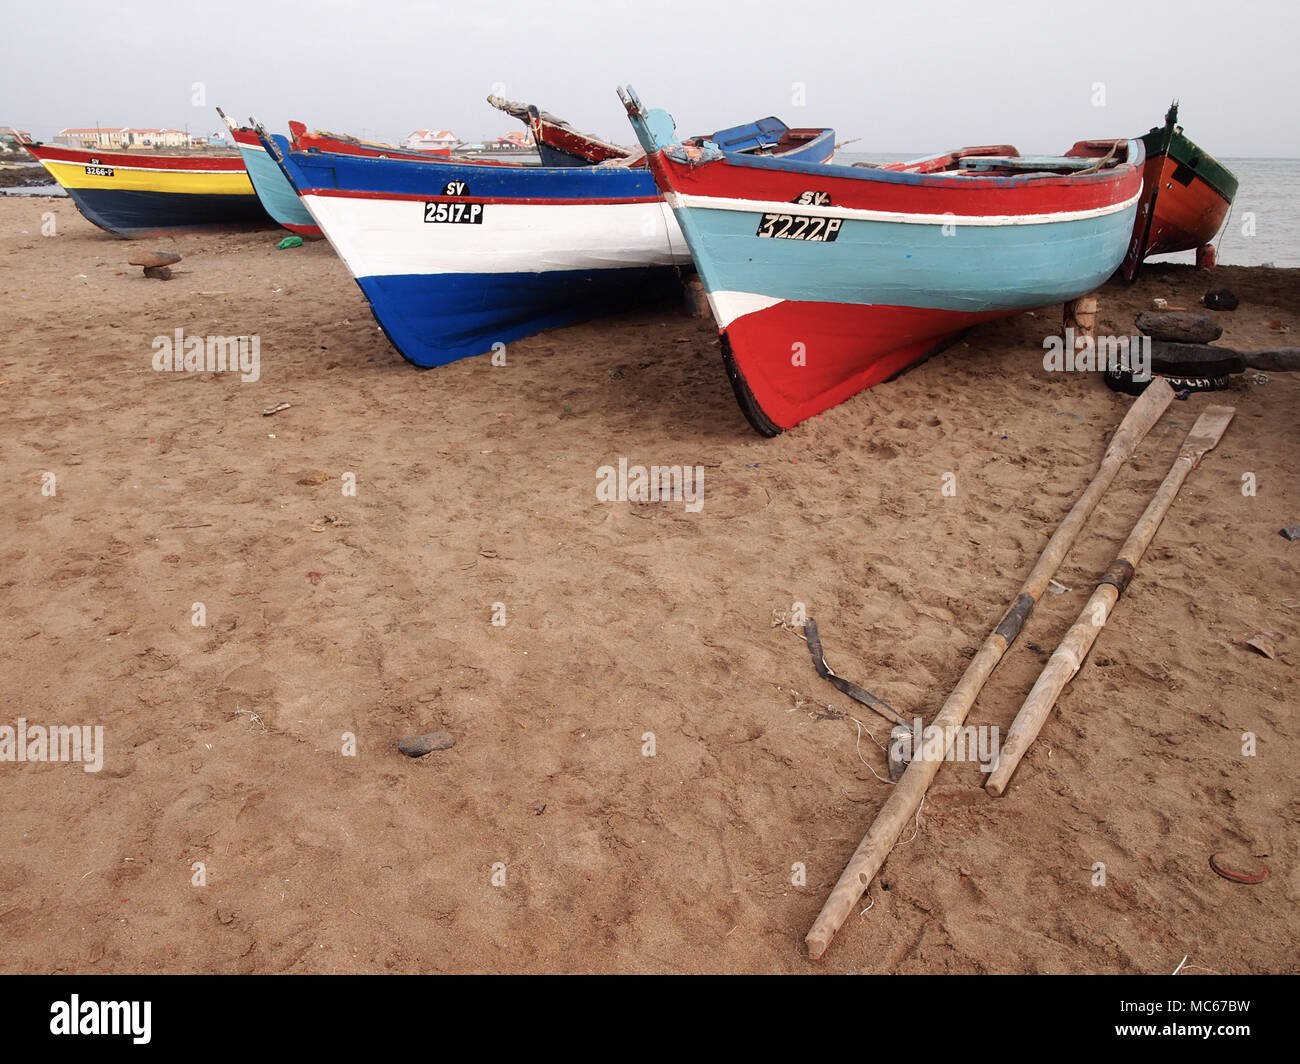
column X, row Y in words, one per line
column 1263, row 228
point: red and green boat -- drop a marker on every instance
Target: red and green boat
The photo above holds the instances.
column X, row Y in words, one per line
column 1186, row 195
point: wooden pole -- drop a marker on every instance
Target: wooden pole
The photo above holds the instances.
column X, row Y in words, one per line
column 1065, row 661
column 1081, row 316
column 905, row 797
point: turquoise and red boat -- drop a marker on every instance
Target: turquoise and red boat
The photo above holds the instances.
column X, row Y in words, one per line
column 826, row 279
column 1186, row 196
column 272, row 187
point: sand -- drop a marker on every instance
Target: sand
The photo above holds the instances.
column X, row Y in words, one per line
column 328, row 615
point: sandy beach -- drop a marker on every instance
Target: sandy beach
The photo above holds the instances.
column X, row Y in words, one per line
column 644, row 756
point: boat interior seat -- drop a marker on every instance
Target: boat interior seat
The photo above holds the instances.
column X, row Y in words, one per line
column 1021, row 163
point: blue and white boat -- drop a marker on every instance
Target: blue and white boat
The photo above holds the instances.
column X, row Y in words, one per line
column 456, row 257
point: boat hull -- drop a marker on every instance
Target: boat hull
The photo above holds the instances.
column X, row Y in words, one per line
column 436, row 318
column 810, row 324
column 828, row 280
column 136, row 195
column 536, row 247
column 277, row 196
column 1186, row 197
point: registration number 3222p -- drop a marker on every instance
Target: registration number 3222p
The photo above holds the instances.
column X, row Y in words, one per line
column 799, row 227
column 464, row 213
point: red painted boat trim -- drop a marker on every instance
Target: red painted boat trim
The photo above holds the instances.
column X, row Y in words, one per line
column 301, row 140
column 343, row 193
column 963, row 196
column 82, row 157
column 574, row 143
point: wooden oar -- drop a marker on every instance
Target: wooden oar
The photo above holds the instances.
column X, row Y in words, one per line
column 1068, row 657
column 905, row 798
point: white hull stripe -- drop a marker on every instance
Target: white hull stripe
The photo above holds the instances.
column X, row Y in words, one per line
column 728, row 306
column 719, row 203
column 390, row 237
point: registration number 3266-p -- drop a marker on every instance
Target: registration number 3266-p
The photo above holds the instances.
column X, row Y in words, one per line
column 799, row 227
column 464, row 213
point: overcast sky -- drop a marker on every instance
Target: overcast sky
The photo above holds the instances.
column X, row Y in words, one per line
column 904, row 77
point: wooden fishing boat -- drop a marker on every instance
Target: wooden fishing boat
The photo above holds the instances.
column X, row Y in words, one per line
column 1186, row 196
column 559, row 144
column 825, row 280
column 456, row 257
column 135, row 193
column 343, row 144
column 272, row 187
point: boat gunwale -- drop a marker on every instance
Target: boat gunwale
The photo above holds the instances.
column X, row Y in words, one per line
column 1134, row 160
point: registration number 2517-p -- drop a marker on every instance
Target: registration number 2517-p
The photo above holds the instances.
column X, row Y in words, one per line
column 799, row 227
column 464, row 213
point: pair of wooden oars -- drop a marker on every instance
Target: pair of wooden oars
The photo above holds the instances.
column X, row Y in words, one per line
column 906, row 797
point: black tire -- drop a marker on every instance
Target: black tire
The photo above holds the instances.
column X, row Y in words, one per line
column 1122, row 381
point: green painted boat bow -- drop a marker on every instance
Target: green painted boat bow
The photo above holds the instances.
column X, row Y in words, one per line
column 1169, row 140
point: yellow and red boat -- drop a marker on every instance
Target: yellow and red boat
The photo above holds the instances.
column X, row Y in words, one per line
column 135, row 193
column 1186, row 196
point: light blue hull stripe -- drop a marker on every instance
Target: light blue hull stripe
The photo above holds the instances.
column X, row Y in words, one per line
column 971, row 268
column 273, row 188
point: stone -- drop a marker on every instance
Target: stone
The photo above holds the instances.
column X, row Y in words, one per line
column 1185, row 327
column 419, row 745
column 154, row 258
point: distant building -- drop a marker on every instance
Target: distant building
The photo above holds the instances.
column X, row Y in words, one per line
column 168, row 138
column 97, row 137
column 125, row 137
column 428, row 139
column 515, row 140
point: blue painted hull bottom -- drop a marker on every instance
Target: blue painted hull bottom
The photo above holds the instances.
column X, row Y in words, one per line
column 130, row 212
column 433, row 319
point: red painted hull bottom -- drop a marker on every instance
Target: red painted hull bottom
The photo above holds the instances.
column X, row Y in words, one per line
column 846, row 349
column 310, row 232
